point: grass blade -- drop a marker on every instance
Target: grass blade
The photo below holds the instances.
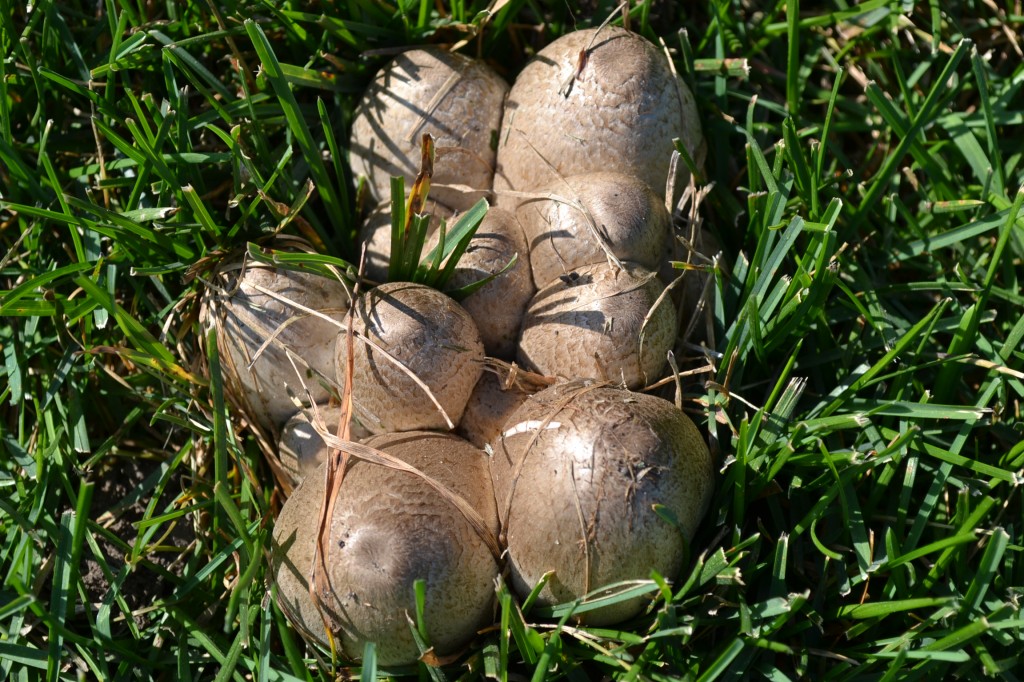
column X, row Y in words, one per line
column 297, row 125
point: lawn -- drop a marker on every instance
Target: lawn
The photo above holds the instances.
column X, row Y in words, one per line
column 861, row 385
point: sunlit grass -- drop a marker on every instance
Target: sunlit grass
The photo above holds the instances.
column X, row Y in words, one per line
column 867, row 337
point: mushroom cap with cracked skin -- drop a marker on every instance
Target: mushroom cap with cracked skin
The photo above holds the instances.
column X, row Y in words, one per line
column 272, row 387
column 497, row 307
column 593, row 462
column 618, row 106
column 458, row 100
column 591, row 324
column 567, row 227
column 390, row 528
column 432, row 337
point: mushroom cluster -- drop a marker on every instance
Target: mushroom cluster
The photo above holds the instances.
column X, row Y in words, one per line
column 507, row 431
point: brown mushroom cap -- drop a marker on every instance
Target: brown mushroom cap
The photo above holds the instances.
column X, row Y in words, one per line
column 566, row 228
column 456, row 99
column 592, row 464
column 588, row 325
column 433, row 338
column 390, row 528
column 497, row 307
column 271, row 390
column 619, row 106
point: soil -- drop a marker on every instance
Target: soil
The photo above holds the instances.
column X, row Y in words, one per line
column 118, row 480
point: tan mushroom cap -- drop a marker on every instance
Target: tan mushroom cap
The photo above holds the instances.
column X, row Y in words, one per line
column 389, row 529
column 497, row 307
column 619, row 107
column 456, row 99
column 568, row 225
column 432, row 337
column 274, row 386
column 591, row 324
column 595, row 462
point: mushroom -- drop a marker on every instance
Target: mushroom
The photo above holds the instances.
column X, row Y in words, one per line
column 489, row 407
column 456, row 99
column 273, row 350
column 389, row 528
column 497, row 307
column 580, row 471
column 591, row 100
column 414, row 346
column 600, row 322
column 301, row 449
column 579, row 220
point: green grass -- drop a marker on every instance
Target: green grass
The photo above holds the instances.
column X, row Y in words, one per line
column 867, row 316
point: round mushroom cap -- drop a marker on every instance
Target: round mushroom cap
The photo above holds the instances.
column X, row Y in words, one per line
column 301, row 449
column 272, row 351
column 489, row 407
column 594, row 463
column 375, row 236
column 497, row 307
column 456, row 99
column 600, row 322
column 583, row 217
column 416, row 333
column 594, row 99
column 390, row 528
